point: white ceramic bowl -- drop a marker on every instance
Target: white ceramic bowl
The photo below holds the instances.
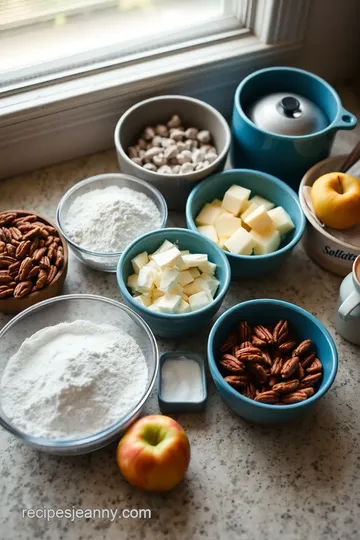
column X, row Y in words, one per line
column 326, row 250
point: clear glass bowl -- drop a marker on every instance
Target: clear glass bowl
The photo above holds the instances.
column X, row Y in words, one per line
column 106, row 262
column 69, row 308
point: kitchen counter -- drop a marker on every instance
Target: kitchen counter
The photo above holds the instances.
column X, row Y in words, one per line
column 245, row 481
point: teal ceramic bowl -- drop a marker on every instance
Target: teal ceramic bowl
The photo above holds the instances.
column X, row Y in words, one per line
column 270, row 312
column 266, row 186
column 172, row 325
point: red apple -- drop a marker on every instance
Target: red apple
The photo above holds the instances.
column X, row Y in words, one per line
column 154, row 453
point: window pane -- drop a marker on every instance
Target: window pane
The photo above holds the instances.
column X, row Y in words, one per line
column 36, row 32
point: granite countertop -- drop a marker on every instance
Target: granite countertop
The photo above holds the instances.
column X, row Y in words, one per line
column 245, row 481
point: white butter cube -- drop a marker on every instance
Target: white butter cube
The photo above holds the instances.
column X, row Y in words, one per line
column 145, row 279
column 208, row 267
column 208, row 231
column 227, row 224
column 208, row 215
column 143, row 300
column 234, row 199
column 177, row 290
column 216, row 202
column 184, row 252
column 170, row 257
column 260, row 201
column 248, row 210
column 184, row 307
column 222, row 240
column 164, row 247
column 185, row 278
column 259, row 220
column 139, row 261
column 132, row 281
column 196, row 286
column 169, row 303
column 212, row 283
column 155, row 305
column 194, row 272
column 267, row 242
column 168, row 280
column 281, row 220
column 240, row 243
column 199, row 300
column 194, row 259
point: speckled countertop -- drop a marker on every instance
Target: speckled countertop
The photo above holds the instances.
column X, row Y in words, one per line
column 247, row 482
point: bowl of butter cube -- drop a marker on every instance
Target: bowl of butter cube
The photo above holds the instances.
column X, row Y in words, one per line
column 175, row 279
column 255, row 218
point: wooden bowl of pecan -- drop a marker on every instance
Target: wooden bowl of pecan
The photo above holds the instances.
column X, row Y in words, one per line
column 271, row 360
column 33, row 260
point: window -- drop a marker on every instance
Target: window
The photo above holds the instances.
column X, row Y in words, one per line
column 46, row 39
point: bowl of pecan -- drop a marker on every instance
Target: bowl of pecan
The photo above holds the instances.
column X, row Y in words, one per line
column 33, row 260
column 271, row 361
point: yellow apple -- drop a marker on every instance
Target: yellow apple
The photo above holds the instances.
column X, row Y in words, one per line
column 336, row 200
column 154, row 453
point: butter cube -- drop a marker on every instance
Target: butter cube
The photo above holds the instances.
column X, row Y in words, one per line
column 240, row 243
column 207, row 267
column 249, row 210
column 185, row 278
column 208, row 231
column 164, row 247
column 139, row 261
column 169, row 280
column 145, row 281
column 177, row 290
column 170, row 257
column 281, row 220
column 156, row 293
column 227, row 224
column 143, row 300
column 260, row 201
column 184, row 252
column 199, row 300
column 194, row 259
column 197, row 286
column 184, row 307
column 132, row 281
column 212, row 283
column 208, row 214
column 194, row 272
column 235, row 198
column 267, row 242
column 216, row 202
column 169, row 303
column 222, row 240
column 155, row 305
column 259, row 220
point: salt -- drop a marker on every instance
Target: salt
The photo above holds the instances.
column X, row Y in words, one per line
column 181, row 380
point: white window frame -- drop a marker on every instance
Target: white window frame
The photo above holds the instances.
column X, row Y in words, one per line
column 75, row 114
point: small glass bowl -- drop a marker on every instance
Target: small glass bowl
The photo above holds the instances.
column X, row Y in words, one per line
column 106, row 262
column 70, row 308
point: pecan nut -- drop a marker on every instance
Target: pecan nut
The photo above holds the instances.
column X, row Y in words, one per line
column 10, row 250
column 245, row 345
column 249, row 354
column 294, row 397
column 302, row 348
column 268, row 397
column 34, row 272
column 59, row 261
column 257, row 342
column 34, row 231
column 6, row 290
column 277, row 366
column 45, row 262
column 263, row 333
column 311, row 380
column 22, row 289
column 33, row 246
column 7, row 217
column 259, row 372
column 281, row 332
column 226, row 347
column 232, row 364
column 308, row 360
column 286, row 347
column 5, row 277
column 286, row 387
column 41, row 280
column 267, row 358
column 6, row 261
column 51, row 275
column 289, row 367
column 15, row 233
column 236, row 381
column 315, row 367
column 245, row 331
column 25, row 268
column 23, row 249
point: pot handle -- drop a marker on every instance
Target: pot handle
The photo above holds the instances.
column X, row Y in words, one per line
column 345, row 120
column 351, row 302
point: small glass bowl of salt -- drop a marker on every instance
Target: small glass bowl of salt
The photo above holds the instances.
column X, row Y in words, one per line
column 182, row 383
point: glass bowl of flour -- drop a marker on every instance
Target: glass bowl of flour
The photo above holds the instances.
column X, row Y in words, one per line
column 102, row 215
column 75, row 372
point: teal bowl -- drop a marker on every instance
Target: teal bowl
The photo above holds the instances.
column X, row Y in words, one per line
column 270, row 312
column 266, row 186
column 173, row 325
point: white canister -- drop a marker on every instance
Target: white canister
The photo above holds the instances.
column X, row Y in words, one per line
column 348, row 308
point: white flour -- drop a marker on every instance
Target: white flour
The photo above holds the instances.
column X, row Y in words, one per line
column 107, row 220
column 73, row 379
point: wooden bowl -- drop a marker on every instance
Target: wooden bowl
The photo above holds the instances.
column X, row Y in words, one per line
column 13, row 305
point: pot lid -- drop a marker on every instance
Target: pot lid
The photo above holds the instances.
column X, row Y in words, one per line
column 287, row 114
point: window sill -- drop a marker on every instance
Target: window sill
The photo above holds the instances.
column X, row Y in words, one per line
column 77, row 117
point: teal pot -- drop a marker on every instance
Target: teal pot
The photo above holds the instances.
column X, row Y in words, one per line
column 173, row 325
column 279, row 151
column 266, row 186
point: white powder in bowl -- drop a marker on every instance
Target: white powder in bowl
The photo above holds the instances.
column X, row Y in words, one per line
column 73, row 379
column 107, row 220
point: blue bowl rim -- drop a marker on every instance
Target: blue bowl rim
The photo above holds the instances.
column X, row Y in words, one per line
column 176, row 316
column 255, row 74
column 106, row 176
column 218, row 377
column 299, row 231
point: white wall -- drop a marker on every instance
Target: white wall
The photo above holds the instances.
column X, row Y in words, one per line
column 332, row 47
